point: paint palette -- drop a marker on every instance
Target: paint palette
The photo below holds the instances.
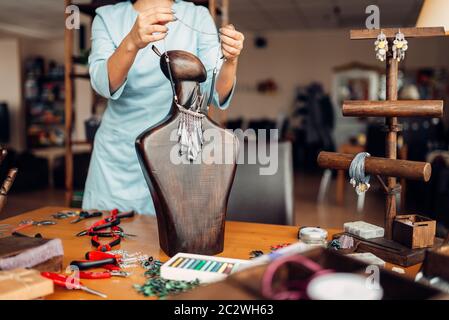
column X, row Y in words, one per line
column 188, row 267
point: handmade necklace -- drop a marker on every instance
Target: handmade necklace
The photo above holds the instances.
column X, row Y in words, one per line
column 190, row 128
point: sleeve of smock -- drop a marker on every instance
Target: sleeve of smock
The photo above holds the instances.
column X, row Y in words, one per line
column 208, row 51
column 102, row 48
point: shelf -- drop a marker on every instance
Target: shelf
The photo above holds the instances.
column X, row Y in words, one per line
column 363, row 34
column 401, row 108
column 80, row 76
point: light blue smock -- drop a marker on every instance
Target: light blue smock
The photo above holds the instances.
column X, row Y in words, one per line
column 115, row 178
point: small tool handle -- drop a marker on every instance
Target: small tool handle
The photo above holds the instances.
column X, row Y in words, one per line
column 129, row 214
column 60, row 280
column 94, row 214
column 95, row 275
column 110, row 224
column 85, row 265
column 98, row 255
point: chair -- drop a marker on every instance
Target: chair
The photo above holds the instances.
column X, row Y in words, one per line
column 263, row 198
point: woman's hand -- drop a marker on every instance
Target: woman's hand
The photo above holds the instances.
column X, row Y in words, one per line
column 150, row 26
column 231, row 42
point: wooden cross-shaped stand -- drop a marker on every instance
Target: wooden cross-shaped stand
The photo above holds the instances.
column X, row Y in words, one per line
column 390, row 167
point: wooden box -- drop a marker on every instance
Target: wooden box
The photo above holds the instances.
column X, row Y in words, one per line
column 246, row 285
column 23, row 284
column 414, row 231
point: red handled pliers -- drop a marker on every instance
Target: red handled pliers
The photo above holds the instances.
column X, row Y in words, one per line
column 103, row 274
column 69, row 282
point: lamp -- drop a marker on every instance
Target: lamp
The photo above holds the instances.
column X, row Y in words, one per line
column 434, row 13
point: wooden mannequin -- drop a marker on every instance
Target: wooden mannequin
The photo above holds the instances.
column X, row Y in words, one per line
column 190, row 198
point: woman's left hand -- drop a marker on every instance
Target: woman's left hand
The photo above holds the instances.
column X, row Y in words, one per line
column 231, row 42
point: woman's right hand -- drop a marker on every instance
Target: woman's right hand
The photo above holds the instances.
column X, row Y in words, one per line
column 150, row 26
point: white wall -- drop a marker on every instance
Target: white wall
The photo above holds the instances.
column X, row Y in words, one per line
column 297, row 58
column 11, row 89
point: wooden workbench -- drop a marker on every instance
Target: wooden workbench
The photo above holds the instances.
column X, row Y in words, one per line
column 240, row 239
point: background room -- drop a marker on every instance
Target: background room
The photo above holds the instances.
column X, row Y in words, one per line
column 297, row 67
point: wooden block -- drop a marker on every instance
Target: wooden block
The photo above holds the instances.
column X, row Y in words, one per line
column 363, row 34
column 23, row 284
column 414, row 231
column 403, row 108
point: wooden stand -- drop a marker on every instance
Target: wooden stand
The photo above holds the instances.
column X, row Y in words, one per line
column 389, row 167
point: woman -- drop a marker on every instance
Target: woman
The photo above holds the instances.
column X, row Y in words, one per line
column 126, row 71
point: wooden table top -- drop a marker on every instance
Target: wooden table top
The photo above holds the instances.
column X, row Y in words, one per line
column 240, row 239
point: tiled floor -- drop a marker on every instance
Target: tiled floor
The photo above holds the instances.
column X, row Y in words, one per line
column 308, row 212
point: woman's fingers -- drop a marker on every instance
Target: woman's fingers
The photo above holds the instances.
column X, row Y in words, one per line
column 154, row 37
column 232, row 33
column 160, row 18
column 156, row 28
column 231, row 42
column 159, row 9
column 230, row 50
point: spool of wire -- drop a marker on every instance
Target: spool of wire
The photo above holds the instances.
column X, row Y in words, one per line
column 313, row 236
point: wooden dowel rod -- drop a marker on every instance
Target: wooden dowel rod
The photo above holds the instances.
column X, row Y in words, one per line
column 362, row 34
column 403, row 108
column 391, row 140
column 378, row 166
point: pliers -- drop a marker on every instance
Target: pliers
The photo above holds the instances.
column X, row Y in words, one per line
column 70, row 282
column 103, row 274
column 87, row 215
column 100, row 225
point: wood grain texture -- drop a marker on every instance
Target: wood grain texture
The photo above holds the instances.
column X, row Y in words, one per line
column 362, row 34
column 373, row 165
column 240, row 239
column 414, row 231
column 403, row 108
column 190, row 198
column 391, row 140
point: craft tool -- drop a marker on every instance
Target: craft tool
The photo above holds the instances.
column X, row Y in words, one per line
column 295, row 248
column 188, row 267
column 91, row 264
column 122, row 260
column 65, row 215
column 28, row 223
column 105, row 247
column 103, row 274
column 87, row 215
column 101, row 225
column 313, row 236
column 70, row 283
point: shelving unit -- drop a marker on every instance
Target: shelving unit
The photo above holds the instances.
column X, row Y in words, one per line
column 218, row 9
column 389, row 167
column 44, row 103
